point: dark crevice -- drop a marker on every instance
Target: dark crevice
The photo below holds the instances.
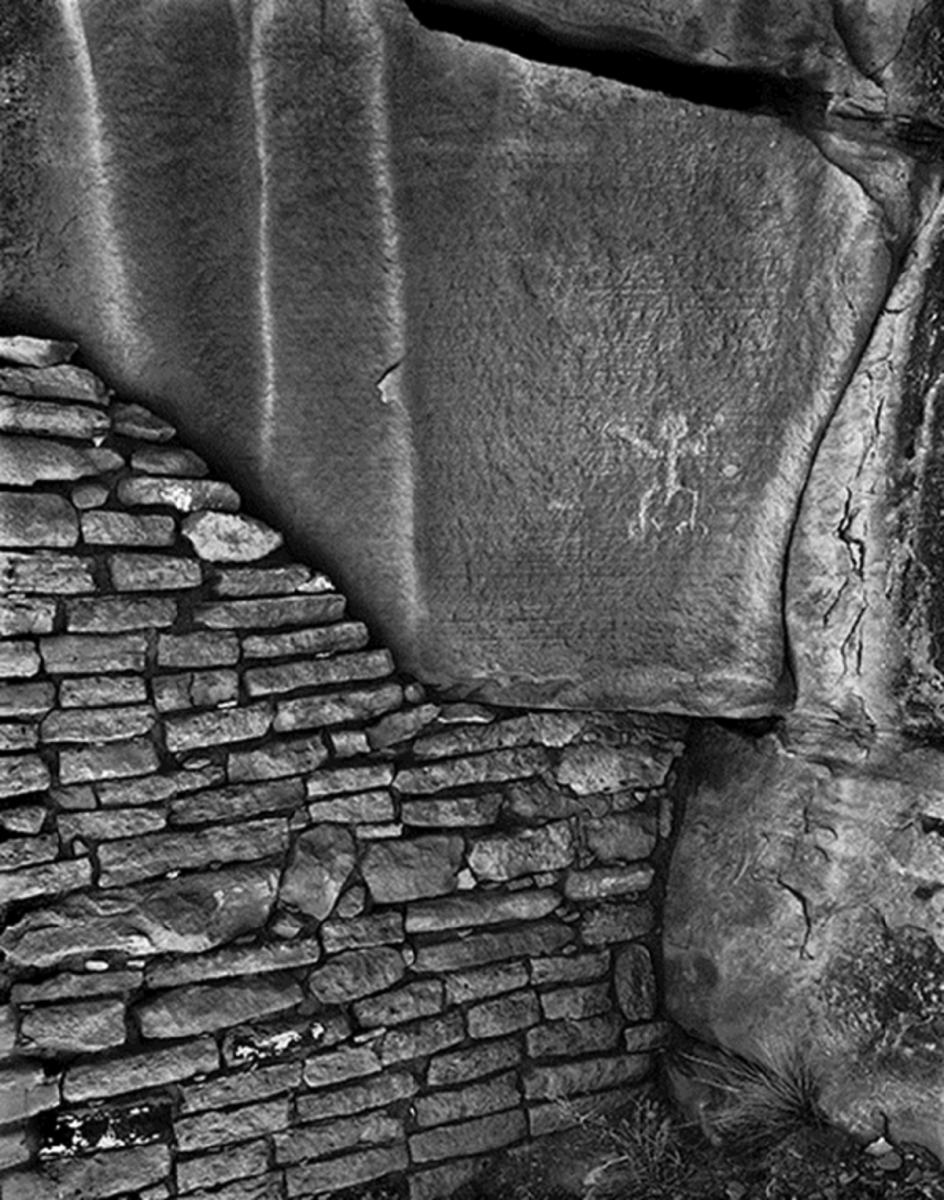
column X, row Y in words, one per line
column 612, row 54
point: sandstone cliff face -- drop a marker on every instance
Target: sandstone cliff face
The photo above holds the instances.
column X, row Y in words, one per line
column 587, row 396
column 535, row 360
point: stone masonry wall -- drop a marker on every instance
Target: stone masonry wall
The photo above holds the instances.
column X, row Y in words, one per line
column 275, row 922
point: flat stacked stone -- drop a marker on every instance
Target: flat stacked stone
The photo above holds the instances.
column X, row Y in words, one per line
column 357, row 932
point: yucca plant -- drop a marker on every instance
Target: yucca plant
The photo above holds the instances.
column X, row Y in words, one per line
column 753, row 1105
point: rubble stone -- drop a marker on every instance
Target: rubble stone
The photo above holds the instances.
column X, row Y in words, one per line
column 229, row 537
column 119, row 614
column 506, row 856
column 127, row 529
column 37, row 519
column 409, row 870
column 19, row 415
column 85, row 1027
column 355, row 973
column 44, row 571
column 160, row 572
column 319, row 865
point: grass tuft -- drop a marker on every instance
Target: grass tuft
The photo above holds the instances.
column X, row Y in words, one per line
column 754, row 1106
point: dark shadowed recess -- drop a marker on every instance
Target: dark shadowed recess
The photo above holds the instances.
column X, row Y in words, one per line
column 609, row 53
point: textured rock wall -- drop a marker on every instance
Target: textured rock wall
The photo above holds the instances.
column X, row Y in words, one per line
column 275, row 922
column 534, row 360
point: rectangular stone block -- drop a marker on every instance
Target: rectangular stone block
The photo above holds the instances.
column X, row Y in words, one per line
column 97, row 724
column 200, row 1009
column 461, row 811
column 203, row 649
column 408, row 870
column 59, row 381
column 216, row 1128
column 297, row 756
column 615, row 923
column 217, row 727
column 349, row 779
column 505, row 1014
column 336, row 708
column 23, row 774
column 105, row 1174
column 238, row 801
column 378, row 929
column 466, row 986
column 469, row 1137
column 22, row 614
column 377, row 1093
column 36, row 519
column 153, row 572
column 243, row 1087
column 601, row 883
column 576, row 1003
column 194, row 689
column 420, row 999
column 94, row 690
column 127, row 529
column 620, row 836
column 119, row 760
column 322, row 639
column 590, row 1075
column 18, row 660
column 22, row 852
column 17, row 737
column 550, row 847
column 271, row 613
column 543, row 937
column 168, row 460
column 18, row 415
column 186, row 495
column 446, row 774
column 83, row 1027
column 459, row 1104
column 188, row 915
column 320, row 1141
column 26, row 699
column 44, row 571
column 235, row 960
column 119, row 614
column 357, row 809
column 79, row 653
column 268, row 581
column 337, row 1066
column 540, row 728
column 573, row 968
column 71, row 985
column 23, row 818
column 153, row 788
column 486, row 1058
column 480, row 908
column 46, row 879
column 318, row 672
column 24, row 1092
column 130, row 859
column 569, row 1039
column 212, row 1170
column 422, row 1038
column 153, row 1069
column 347, row 1171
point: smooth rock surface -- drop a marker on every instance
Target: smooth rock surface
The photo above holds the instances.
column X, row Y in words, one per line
column 623, row 317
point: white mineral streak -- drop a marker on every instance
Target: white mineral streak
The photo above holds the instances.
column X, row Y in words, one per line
column 369, row 19
column 261, row 15
column 115, row 296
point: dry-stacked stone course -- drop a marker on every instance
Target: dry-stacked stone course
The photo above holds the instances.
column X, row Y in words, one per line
column 275, row 922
